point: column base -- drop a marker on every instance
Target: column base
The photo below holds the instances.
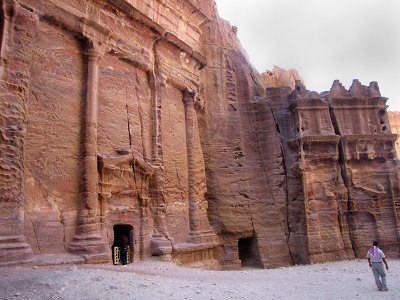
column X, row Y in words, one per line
column 203, row 237
column 91, row 247
column 160, row 246
column 14, row 250
column 201, row 251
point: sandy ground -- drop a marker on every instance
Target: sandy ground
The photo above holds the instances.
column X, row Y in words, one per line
column 161, row 280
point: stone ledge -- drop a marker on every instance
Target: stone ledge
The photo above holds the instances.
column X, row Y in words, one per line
column 48, row 260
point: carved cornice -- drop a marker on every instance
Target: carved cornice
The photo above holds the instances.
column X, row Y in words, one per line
column 356, row 104
column 93, row 29
column 320, row 139
column 199, row 11
column 76, row 22
column 131, row 11
column 173, row 39
column 370, row 137
column 125, row 157
column 319, row 105
column 195, row 9
column 330, row 139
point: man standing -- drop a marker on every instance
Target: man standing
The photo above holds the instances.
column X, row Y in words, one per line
column 375, row 258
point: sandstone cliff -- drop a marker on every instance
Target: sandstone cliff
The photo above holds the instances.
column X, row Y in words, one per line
column 394, row 121
column 242, row 151
column 341, row 171
column 279, row 77
column 99, row 133
column 145, row 119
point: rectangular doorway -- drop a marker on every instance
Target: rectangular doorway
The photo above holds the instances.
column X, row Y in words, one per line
column 248, row 252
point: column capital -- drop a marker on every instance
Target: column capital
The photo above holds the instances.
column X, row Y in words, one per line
column 94, row 55
column 9, row 8
column 189, row 96
column 95, row 50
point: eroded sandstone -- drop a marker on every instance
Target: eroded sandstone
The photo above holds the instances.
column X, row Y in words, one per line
column 146, row 119
column 279, row 77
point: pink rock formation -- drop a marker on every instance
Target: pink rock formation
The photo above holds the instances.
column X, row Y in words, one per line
column 244, row 166
column 146, row 119
column 394, row 121
column 279, row 77
column 370, row 171
column 341, row 171
column 100, row 134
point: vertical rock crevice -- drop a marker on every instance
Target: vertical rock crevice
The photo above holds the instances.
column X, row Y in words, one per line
column 345, row 179
column 285, row 186
column 264, row 167
column 129, row 126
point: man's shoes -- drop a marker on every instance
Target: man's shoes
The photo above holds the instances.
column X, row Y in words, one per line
column 385, row 289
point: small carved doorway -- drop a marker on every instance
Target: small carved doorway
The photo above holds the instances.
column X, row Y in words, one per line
column 121, row 230
column 248, row 252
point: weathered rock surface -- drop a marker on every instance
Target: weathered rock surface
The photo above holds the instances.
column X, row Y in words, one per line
column 99, row 131
column 369, row 165
column 280, row 77
column 146, row 119
column 394, row 121
column 316, row 193
column 341, row 171
column 244, row 167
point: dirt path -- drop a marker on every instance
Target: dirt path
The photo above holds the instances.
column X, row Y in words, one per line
column 160, row 280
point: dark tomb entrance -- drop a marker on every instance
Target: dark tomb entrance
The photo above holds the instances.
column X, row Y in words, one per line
column 248, row 252
column 120, row 231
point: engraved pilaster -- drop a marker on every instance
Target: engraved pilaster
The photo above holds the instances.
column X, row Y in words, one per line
column 200, row 229
column 13, row 125
column 88, row 240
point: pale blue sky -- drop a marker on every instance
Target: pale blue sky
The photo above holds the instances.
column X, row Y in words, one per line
column 323, row 39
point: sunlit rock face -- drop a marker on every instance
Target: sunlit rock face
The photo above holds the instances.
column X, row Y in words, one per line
column 341, row 171
column 279, row 77
column 242, row 150
column 394, row 121
column 100, row 136
column 145, row 119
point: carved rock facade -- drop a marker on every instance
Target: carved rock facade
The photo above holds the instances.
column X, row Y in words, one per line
column 145, row 119
column 342, row 172
column 99, row 130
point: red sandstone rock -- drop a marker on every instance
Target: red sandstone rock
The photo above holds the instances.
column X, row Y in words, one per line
column 370, row 171
column 146, row 119
column 394, row 121
column 245, row 175
column 279, row 77
column 341, row 171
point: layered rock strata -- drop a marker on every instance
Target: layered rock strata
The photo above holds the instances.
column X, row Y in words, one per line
column 100, row 134
column 244, row 168
column 19, row 27
column 394, row 121
column 369, row 165
column 342, row 182
column 146, row 119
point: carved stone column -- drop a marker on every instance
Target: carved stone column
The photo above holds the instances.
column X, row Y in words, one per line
column 8, row 11
column 161, row 243
column 14, row 91
column 88, row 240
column 200, row 229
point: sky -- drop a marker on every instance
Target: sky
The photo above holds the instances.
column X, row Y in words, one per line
column 323, row 39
